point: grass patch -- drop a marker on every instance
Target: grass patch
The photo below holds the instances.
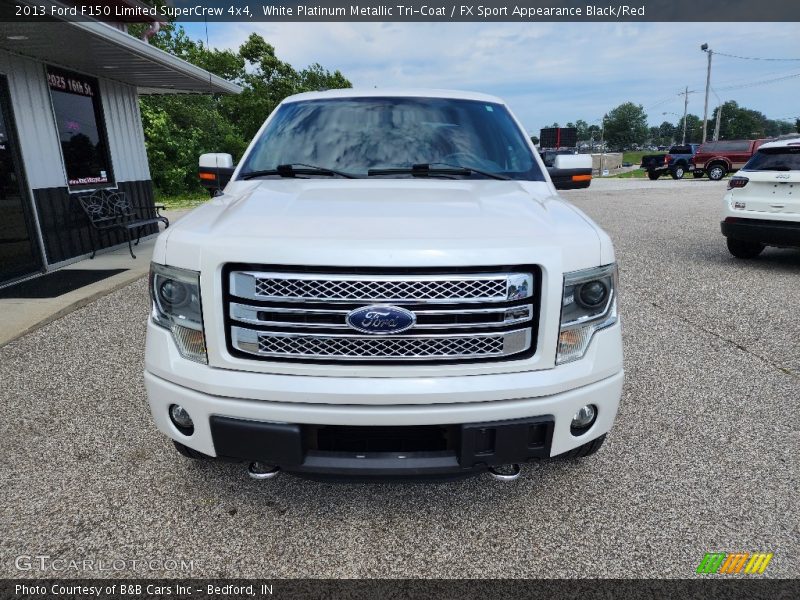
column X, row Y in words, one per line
column 182, row 201
column 635, row 158
column 636, row 174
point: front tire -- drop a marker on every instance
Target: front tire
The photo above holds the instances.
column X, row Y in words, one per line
column 652, row 175
column 189, row 452
column 744, row 249
column 716, row 172
column 587, row 449
column 678, row 173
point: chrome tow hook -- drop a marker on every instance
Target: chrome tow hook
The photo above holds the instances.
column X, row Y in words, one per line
column 258, row 470
column 506, row 472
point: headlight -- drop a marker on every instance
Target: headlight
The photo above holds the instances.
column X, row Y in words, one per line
column 589, row 303
column 175, row 294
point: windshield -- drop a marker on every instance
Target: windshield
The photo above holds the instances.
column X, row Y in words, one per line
column 354, row 135
column 775, row 159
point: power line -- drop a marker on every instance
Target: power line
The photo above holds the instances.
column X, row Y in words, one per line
column 754, row 57
column 757, row 83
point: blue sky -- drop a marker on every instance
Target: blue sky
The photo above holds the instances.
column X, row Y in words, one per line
column 550, row 71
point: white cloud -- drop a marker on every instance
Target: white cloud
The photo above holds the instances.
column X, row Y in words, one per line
column 548, row 71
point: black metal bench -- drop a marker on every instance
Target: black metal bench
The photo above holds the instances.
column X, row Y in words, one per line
column 111, row 210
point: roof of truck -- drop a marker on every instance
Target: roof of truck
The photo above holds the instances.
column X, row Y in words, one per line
column 394, row 92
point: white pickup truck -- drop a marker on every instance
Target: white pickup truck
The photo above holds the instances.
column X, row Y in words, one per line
column 389, row 285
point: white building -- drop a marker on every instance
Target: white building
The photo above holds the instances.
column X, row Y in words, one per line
column 70, row 123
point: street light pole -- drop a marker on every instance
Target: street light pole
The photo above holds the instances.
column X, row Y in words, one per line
column 710, row 53
column 685, row 110
column 602, row 143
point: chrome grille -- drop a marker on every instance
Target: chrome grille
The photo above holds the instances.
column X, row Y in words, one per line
column 384, row 291
column 492, row 287
column 304, row 316
column 345, row 347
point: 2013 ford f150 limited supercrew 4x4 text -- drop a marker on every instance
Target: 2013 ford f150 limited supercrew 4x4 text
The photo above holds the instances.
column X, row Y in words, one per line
column 389, row 285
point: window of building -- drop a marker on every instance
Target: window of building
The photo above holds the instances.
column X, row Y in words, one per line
column 81, row 129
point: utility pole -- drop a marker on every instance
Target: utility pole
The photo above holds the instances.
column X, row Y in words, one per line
column 716, row 127
column 685, row 110
column 710, row 53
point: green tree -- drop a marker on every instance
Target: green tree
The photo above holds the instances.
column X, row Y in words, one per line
column 694, row 129
column 737, row 122
column 583, row 130
column 626, row 126
column 178, row 128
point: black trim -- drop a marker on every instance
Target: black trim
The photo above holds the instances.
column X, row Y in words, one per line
column 562, row 178
column 768, row 232
column 457, row 449
column 65, row 228
column 533, row 323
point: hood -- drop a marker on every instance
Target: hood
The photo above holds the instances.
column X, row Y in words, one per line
column 263, row 221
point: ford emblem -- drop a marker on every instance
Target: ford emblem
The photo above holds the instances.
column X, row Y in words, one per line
column 381, row 319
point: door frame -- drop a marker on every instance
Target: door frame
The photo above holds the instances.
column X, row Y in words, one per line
column 26, row 197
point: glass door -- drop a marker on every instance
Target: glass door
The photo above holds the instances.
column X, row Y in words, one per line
column 19, row 249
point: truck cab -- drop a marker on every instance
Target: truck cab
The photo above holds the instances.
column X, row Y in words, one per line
column 389, row 285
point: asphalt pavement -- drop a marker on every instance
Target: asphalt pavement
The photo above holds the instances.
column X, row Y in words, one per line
column 703, row 456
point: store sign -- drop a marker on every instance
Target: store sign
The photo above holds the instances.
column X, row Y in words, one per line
column 69, row 84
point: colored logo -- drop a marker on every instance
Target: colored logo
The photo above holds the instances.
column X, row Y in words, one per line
column 381, row 319
column 735, row 563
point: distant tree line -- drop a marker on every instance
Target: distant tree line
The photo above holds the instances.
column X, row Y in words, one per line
column 626, row 127
column 180, row 127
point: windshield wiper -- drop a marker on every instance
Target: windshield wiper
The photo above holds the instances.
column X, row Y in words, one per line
column 433, row 169
column 291, row 170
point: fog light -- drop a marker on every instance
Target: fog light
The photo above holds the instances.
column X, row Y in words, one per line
column 181, row 419
column 583, row 419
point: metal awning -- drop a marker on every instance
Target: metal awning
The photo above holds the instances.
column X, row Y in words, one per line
column 101, row 50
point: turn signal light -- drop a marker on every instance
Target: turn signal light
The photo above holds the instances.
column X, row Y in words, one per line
column 581, row 178
column 737, row 182
column 209, row 176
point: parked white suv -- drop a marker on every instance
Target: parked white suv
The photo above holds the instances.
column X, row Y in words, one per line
column 389, row 285
column 762, row 206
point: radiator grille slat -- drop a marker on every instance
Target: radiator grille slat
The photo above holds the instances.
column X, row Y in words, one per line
column 381, row 291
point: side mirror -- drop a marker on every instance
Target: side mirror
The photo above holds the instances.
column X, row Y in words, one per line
column 571, row 171
column 215, row 171
column 573, row 161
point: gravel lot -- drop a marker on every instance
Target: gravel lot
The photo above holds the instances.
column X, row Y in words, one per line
column 704, row 455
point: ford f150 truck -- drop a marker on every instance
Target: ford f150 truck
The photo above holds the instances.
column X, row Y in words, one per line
column 676, row 162
column 717, row 159
column 389, row 285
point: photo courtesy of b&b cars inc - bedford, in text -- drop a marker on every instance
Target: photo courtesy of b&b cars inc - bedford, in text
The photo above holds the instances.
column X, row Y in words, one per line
column 406, row 299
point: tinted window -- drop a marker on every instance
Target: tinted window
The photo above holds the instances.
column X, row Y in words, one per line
column 775, row 159
column 358, row 134
column 76, row 104
column 680, row 150
column 727, row 146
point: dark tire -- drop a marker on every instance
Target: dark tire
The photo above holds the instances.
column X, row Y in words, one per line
column 697, row 174
column 717, row 171
column 587, row 449
column 189, row 452
column 678, row 172
column 653, row 175
column 744, row 249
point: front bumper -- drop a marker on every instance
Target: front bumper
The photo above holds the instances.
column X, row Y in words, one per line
column 275, row 432
column 769, row 232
